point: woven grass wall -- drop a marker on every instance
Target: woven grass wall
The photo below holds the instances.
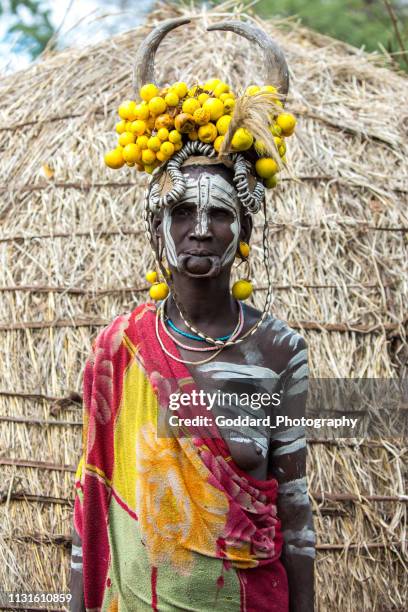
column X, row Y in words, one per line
column 73, row 255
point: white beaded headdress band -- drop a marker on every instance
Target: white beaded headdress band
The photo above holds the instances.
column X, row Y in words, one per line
column 251, row 200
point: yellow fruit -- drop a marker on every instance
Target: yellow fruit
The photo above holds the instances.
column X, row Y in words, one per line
column 269, row 88
column 150, row 123
column 126, row 138
column 127, row 110
column 271, row 182
column 148, row 91
column 207, row 133
column 278, row 102
column 158, row 291
column 163, row 134
column 243, row 248
column 252, row 89
column 242, row 289
column 121, row 127
column 175, row 137
column 201, row 116
column 275, row 129
column 132, row 153
column 114, row 159
column 203, row 97
column 178, row 146
column 287, row 123
column 190, row 105
column 242, row 140
column 157, row 105
column 142, row 111
column 164, row 121
column 149, row 168
column 193, row 135
column 171, row 99
column 167, row 148
column 284, row 159
column 151, row 276
column 278, row 141
column 128, row 125
column 161, row 157
column 211, row 84
column 217, row 143
column 216, row 108
column 229, row 104
column 223, row 123
column 226, row 96
column 138, row 127
column 184, row 123
column 220, row 89
column 130, row 164
column 260, row 147
column 142, row 141
column 180, row 89
column 282, row 150
column 266, row 167
column 148, row 156
column 193, row 91
column 154, row 143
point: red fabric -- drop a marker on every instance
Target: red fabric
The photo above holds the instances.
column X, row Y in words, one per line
column 263, row 587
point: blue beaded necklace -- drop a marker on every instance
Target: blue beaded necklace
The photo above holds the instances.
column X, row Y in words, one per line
column 193, row 336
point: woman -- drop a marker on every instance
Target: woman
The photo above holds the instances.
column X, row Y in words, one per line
column 208, row 517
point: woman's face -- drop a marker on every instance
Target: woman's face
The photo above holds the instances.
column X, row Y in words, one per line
column 201, row 231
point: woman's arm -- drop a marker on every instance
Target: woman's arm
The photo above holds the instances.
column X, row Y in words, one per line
column 76, row 585
column 288, row 464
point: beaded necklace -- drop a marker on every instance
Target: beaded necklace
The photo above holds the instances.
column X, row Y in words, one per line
column 160, row 315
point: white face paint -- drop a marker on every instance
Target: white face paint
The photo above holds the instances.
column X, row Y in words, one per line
column 206, row 191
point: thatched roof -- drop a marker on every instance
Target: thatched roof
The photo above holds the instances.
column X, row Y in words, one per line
column 73, row 256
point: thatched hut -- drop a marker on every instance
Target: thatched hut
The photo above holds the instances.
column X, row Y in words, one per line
column 73, row 256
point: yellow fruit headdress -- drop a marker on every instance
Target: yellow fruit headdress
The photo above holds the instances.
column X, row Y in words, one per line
column 154, row 128
column 172, row 125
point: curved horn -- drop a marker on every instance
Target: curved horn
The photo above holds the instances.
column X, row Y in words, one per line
column 277, row 72
column 143, row 71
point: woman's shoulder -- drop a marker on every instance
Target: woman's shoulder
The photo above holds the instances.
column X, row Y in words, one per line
column 276, row 333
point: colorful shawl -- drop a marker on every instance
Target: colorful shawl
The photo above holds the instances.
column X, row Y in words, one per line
column 166, row 523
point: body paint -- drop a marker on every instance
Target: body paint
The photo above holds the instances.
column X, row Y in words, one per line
column 308, row 551
column 208, row 191
column 295, row 491
column 288, row 449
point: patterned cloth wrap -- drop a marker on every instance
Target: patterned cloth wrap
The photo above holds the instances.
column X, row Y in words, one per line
column 167, row 523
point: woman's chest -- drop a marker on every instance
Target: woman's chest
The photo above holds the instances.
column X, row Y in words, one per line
column 239, row 389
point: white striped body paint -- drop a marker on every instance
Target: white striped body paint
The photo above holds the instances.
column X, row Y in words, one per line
column 295, row 491
column 308, row 551
column 76, row 558
column 297, row 381
column 76, row 550
column 293, row 447
column 224, row 370
column 305, row 535
column 169, row 245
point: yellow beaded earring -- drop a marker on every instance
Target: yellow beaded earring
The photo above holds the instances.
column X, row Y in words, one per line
column 242, row 288
column 158, row 290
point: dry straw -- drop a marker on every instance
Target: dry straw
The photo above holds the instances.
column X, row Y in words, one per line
column 73, row 256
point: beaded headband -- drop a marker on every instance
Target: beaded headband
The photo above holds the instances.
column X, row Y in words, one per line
column 250, row 200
